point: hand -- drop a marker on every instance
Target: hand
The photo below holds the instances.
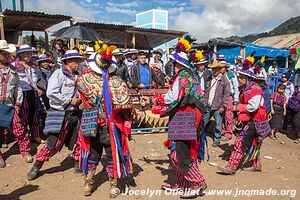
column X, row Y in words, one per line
column 141, row 85
column 17, row 109
column 129, row 137
column 284, row 113
column 75, row 101
column 269, row 116
column 40, row 92
column 272, row 112
column 81, row 106
column 129, row 85
column 146, row 99
column 221, row 110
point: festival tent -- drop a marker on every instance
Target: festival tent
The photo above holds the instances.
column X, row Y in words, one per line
column 266, row 51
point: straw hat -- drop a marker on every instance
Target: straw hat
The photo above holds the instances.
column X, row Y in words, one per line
column 217, row 65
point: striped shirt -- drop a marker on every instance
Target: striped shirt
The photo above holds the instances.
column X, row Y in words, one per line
column 10, row 92
column 28, row 78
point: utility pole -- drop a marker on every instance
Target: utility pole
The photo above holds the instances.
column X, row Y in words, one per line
column 22, row 5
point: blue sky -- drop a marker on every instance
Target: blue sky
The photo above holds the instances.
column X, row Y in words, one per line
column 120, row 11
column 201, row 18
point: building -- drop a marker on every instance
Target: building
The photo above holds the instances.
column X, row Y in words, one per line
column 155, row 19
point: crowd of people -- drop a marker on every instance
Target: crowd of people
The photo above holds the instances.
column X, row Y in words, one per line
column 62, row 97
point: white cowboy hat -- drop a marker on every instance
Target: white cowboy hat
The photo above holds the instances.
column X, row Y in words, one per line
column 93, row 64
column 89, row 50
column 26, row 48
column 10, row 48
column 180, row 58
column 117, row 52
column 202, row 61
column 72, row 54
column 131, row 51
column 42, row 57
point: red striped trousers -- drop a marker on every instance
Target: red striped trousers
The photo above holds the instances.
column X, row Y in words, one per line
column 191, row 178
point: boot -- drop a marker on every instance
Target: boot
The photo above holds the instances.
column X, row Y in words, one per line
column 28, row 158
column 34, row 171
column 89, row 183
column 2, row 162
column 114, row 191
column 226, row 170
column 252, row 169
column 76, row 168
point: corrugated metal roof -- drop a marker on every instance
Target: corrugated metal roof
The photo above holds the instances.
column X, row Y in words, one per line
column 118, row 34
column 279, row 41
column 30, row 20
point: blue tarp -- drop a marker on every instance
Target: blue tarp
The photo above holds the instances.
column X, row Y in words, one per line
column 266, row 51
column 230, row 54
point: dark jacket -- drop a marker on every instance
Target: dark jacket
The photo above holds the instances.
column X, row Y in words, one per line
column 135, row 76
column 222, row 94
column 122, row 71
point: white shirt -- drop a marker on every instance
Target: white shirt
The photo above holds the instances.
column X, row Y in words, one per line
column 61, row 89
column 213, row 88
column 201, row 81
column 273, row 70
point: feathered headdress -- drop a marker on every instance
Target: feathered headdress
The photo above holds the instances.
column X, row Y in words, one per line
column 259, row 65
column 197, row 56
column 185, row 44
column 106, row 53
column 249, row 61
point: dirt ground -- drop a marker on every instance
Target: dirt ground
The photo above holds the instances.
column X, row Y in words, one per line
column 57, row 180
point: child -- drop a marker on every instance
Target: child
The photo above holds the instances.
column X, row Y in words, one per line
column 278, row 109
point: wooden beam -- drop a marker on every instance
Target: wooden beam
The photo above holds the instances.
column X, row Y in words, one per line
column 2, row 36
column 133, row 40
column 125, row 45
column 46, row 41
column 215, row 50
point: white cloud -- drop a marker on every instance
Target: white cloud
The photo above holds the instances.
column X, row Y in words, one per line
column 234, row 17
column 89, row 1
column 175, row 10
column 64, row 7
column 120, row 10
column 124, row 5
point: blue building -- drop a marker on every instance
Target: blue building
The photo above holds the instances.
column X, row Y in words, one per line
column 156, row 19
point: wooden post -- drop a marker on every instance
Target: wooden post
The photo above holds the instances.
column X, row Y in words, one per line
column 125, row 45
column 46, row 41
column 215, row 50
column 72, row 41
column 133, row 40
column 2, row 36
column 243, row 52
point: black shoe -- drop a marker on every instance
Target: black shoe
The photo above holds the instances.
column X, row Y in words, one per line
column 215, row 144
column 34, row 171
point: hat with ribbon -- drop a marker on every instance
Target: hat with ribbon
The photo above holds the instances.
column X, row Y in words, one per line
column 70, row 54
